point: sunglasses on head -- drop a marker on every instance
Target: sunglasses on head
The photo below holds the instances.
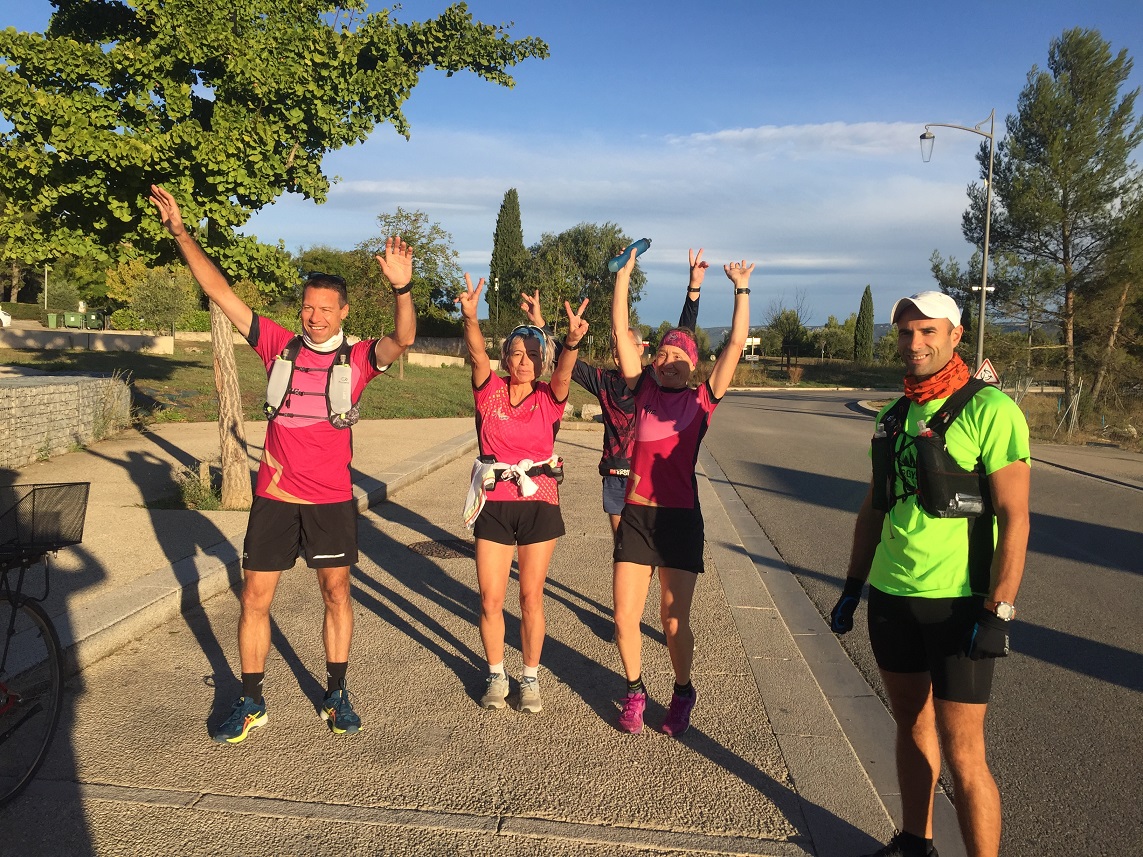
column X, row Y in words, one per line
column 528, row 330
column 318, row 275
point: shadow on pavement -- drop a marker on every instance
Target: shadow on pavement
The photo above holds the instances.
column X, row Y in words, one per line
column 22, row 817
column 591, row 681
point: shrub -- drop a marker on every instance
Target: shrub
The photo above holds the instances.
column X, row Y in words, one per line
column 124, row 319
column 197, row 321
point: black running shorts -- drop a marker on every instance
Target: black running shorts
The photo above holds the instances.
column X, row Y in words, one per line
column 324, row 533
column 519, row 522
column 661, row 537
column 916, row 635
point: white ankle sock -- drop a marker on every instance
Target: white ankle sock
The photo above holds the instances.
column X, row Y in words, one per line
column 496, row 668
column 532, row 672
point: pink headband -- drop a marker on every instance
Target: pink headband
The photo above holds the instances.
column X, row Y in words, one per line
column 683, row 341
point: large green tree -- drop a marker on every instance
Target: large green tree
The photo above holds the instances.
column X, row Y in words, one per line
column 437, row 276
column 572, row 266
column 507, row 272
column 863, row 329
column 227, row 104
column 1064, row 177
column 835, row 338
column 1110, row 314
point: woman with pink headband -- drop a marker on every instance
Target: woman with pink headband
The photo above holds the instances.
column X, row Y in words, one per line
column 662, row 526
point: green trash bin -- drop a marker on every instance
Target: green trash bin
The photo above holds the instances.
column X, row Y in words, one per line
column 95, row 321
column 73, row 319
column 52, row 320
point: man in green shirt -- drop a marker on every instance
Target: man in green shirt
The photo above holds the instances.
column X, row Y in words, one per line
column 941, row 598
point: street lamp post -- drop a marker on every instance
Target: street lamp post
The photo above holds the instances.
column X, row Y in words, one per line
column 927, row 139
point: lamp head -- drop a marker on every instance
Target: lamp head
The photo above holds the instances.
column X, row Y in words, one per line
column 927, row 139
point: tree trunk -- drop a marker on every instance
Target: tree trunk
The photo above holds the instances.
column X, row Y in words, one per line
column 14, row 285
column 236, row 492
column 1069, row 326
column 1105, row 359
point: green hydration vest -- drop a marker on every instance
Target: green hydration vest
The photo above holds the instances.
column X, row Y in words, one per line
column 338, row 386
column 944, row 489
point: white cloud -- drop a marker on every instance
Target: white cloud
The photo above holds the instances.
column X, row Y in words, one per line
column 826, row 208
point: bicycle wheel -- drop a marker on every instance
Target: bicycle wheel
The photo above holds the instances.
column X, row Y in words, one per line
column 31, row 692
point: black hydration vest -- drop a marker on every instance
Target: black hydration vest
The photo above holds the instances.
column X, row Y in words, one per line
column 340, row 406
column 944, row 489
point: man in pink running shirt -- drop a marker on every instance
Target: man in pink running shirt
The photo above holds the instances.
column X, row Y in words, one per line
column 304, row 499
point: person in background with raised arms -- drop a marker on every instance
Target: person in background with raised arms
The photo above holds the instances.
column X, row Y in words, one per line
column 944, row 565
column 304, row 497
column 661, row 525
column 513, row 504
column 615, row 397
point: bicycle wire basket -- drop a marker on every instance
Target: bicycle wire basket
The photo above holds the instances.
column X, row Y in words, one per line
column 41, row 518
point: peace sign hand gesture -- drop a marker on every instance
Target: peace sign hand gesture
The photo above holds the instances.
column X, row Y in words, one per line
column 577, row 324
column 469, row 299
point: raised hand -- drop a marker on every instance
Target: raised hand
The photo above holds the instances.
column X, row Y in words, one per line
column 628, row 266
column 530, row 304
column 397, row 263
column 169, row 214
column 577, row 324
column 739, row 273
column 469, row 299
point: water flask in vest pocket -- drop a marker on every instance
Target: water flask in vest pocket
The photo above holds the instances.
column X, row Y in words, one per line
column 944, row 488
column 343, row 413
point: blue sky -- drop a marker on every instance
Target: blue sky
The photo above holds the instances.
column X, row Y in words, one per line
column 782, row 133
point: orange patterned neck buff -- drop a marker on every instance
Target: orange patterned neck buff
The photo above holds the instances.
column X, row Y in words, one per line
column 940, row 385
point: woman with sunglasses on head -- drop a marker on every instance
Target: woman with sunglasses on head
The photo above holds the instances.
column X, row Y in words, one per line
column 662, row 526
column 513, row 505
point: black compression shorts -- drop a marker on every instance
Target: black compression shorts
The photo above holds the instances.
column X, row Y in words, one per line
column 916, row 635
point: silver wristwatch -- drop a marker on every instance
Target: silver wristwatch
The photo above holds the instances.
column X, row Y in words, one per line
column 1004, row 610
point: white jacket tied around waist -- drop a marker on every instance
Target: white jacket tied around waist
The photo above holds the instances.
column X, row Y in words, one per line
column 485, row 475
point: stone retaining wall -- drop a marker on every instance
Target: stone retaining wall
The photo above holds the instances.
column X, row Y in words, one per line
column 46, row 415
column 47, row 339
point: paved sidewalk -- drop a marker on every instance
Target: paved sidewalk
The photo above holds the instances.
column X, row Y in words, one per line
column 764, row 770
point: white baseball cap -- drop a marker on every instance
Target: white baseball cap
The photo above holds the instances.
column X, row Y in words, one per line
column 931, row 305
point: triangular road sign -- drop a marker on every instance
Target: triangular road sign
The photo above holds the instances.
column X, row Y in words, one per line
column 987, row 373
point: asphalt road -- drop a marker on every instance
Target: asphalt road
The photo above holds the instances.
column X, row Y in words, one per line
column 1067, row 705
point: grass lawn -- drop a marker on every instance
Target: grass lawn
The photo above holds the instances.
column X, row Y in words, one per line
column 180, row 387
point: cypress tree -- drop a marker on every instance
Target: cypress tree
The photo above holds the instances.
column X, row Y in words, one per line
column 509, row 263
column 863, row 332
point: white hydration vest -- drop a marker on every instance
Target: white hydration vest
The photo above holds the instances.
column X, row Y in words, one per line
column 340, row 406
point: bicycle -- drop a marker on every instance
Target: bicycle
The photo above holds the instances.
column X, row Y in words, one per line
column 35, row 520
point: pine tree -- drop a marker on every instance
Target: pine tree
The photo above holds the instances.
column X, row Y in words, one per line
column 1065, row 177
column 506, row 271
column 863, row 332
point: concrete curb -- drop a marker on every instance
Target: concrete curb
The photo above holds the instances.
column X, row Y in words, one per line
column 854, row 713
column 108, row 622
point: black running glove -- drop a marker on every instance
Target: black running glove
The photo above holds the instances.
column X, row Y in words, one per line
column 841, row 617
column 989, row 636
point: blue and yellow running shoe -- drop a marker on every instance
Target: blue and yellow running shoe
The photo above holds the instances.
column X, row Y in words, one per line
column 336, row 709
column 246, row 715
